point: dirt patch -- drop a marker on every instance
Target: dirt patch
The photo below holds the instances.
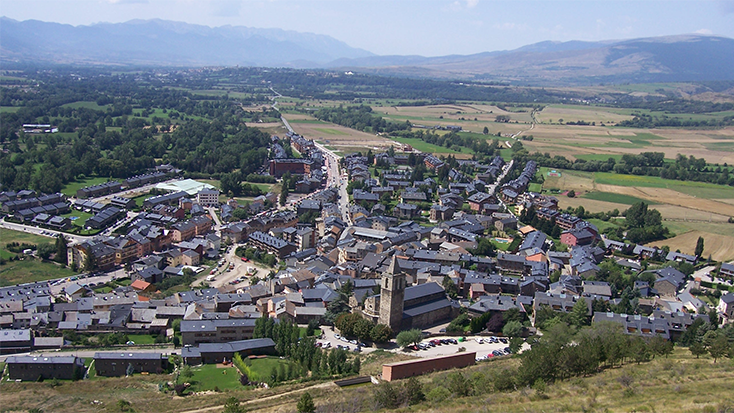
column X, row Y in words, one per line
column 337, row 136
column 720, row 247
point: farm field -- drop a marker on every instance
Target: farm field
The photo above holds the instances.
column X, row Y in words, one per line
column 599, row 142
column 336, row 136
column 719, row 247
column 422, row 146
column 444, row 115
column 687, row 207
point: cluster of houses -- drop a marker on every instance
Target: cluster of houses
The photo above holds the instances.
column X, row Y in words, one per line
column 394, row 264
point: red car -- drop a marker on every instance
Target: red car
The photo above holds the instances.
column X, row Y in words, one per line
column 245, row 259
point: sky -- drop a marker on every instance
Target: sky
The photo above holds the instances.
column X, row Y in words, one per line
column 412, row 27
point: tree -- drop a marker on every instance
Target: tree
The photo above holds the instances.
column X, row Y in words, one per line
column 408, row 337
column 61, row 245
column 450, row 287
column 719, row 347
column 485, row 130
column 571, row 194
column 459, row 385
column 386, row 395
column 512, row 329
column 414, row 391
column 176, row 342
column 699, row 247
column 45, row 250
column 305, row 404
column 381, row 333
column 697, row 349
column 579, row 314
column 363, row 329
column 232, row 405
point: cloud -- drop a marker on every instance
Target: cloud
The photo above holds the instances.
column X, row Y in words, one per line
column 127, row 1
column 458, row 5
column 706, row 32
column 510, row 26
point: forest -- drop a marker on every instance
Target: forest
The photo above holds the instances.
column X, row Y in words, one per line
column 136, row 125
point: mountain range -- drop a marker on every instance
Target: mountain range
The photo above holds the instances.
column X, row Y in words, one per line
column 166, row 43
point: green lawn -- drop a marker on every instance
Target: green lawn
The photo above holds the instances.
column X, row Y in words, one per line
column 31, row 270
column 603, row 225
column 328, row 131
column 424, row 146
column 262, row 367
column 81, row 217
column 616, row 198
column 209, row 376
column 85, row 104
column 535, row 187
column 9, row 109
column 71, row 188
column 8, row 236
column 141, row 338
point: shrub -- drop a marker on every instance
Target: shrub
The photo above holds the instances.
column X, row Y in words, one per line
column 438, row 394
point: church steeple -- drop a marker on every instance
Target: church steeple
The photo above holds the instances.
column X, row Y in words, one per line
column 392, row 296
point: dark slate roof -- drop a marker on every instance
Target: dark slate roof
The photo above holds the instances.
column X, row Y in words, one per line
column 426, row 308
column 422, row 290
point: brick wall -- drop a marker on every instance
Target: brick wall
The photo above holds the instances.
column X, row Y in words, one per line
column 404, row 369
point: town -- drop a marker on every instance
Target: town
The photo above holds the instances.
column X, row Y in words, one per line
column 368, row 246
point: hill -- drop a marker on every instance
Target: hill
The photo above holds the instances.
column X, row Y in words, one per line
column 658, row 59
column 166, row 43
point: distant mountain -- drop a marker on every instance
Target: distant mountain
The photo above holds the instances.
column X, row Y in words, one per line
column 166, row 43
column 657, row 59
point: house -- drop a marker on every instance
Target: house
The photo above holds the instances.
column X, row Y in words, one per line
column 669, row 281
column 15, row 341
column 677, row 256
column 34, row 368
column 506, row 224
column 271, row 244
column 406, row 211
column 116, row 364
column 208, row 197
column 211, row 353
column 575, row 237
column 479, row 200
column 142, row 286
column 600, row 288
column 726, row 270
column 412, row 196
column 726, row 305
column 216, row 331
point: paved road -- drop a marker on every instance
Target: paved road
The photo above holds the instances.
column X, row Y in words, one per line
column 58, row 285
column 41, row 231
column 90, row 353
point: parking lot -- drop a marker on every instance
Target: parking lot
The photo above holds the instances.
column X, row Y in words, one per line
column 480, row 345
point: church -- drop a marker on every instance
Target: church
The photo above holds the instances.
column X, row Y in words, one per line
column 403, row 308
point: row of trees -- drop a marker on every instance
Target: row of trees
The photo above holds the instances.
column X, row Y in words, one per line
column 303, row 351
column 683, row 168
